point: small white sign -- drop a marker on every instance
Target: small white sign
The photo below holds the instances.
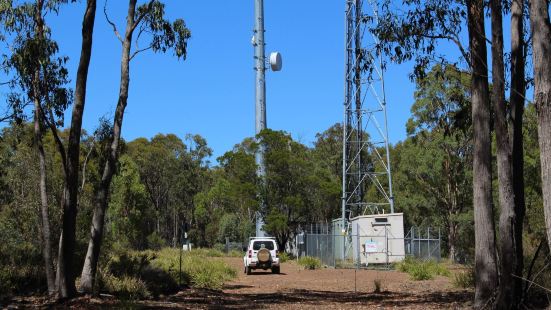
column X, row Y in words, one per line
column 370, row 247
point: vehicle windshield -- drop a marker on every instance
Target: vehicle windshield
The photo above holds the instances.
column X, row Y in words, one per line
column 257, row 245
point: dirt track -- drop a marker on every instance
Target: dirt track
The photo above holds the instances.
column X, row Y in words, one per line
column 295, row 288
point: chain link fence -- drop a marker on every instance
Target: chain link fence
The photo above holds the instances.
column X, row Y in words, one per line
column 338, row 250
column 423, row 243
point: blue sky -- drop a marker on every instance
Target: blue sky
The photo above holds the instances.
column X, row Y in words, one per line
column 212, row 92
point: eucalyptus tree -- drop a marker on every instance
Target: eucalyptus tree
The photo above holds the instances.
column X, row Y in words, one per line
column 51, row 99
column 172, row 174
column 436, row 161
column 147, row 20
column 40, row 78
column 485, row 255
column 414, row 35
column 541, row 32
column 287, row 189
column 71, row 157
column 510, row 288
column 516, row 107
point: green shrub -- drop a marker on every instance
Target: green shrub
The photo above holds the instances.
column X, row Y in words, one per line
column 219, row 247
column 129, row 263
column 283, row 257
column 422, row 270
column 21, row 279
column 464, row 279
column 143, row 274
column 129, row 274
column 21, row 264
column 155, row 241
column 125, row 287
column 199, row 270
column 309, row 262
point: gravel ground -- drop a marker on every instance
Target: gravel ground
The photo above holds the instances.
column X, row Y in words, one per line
column 326, row 288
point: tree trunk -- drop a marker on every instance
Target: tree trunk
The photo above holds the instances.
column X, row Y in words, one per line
column 96, row 234
column 452, row 240
column 541, row 32
column 507, row 218
column 66, row 273
column 46, row 236
column 518, row 91
column 38, row 132
column 485, row 255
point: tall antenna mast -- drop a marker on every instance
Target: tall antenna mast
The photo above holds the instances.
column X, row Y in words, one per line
column 260, row 97
column 367, row 178
column 275, row 63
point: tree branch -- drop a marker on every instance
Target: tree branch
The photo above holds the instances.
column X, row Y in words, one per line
column 532, row 263
column 84, row 167
column 139, row 19
column 140, row 50
column 58, row 142
column 532, row 283
column 111, row 23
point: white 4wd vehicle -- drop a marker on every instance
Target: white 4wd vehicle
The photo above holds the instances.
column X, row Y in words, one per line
column 262, row 253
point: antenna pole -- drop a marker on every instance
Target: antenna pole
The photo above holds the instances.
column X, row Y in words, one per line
column 260, row 98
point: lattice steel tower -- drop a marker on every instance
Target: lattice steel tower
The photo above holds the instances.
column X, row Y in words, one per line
column 367, row 178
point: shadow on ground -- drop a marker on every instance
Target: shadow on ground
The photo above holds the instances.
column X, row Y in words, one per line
column 216, row 299
column 212, row 299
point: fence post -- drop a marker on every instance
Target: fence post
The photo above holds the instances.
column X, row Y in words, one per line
column 439, row 245
column 413, row 241
column 428, row 242
column 419, row 243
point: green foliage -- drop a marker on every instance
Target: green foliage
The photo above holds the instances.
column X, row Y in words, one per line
column 155, row 242
column 200, row 270
column 309, row 262
column 229, row 228
column 421, row 269
column 39, row 74
column 128, row 212
column 276, row 223
column 290, row 186
column 24, row 278
column 283, row 257
column 145, row 274
column 130, row 275
column 164, row 34
column 206, row 252
column 432, row 167
column 124, row 287
column 414, row 32
column 464, row 279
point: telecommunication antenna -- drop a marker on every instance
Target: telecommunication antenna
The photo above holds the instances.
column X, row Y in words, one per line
column 275, row 62
column 366, row 174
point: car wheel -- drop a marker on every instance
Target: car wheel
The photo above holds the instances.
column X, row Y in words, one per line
column 275, row 270
column 248, row 270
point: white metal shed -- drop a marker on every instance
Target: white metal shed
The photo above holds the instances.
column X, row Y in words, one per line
column 378, row 238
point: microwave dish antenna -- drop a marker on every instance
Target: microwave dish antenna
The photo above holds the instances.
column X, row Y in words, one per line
column 276, row 61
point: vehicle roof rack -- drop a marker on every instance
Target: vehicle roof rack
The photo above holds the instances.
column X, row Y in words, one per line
column 251, row 238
